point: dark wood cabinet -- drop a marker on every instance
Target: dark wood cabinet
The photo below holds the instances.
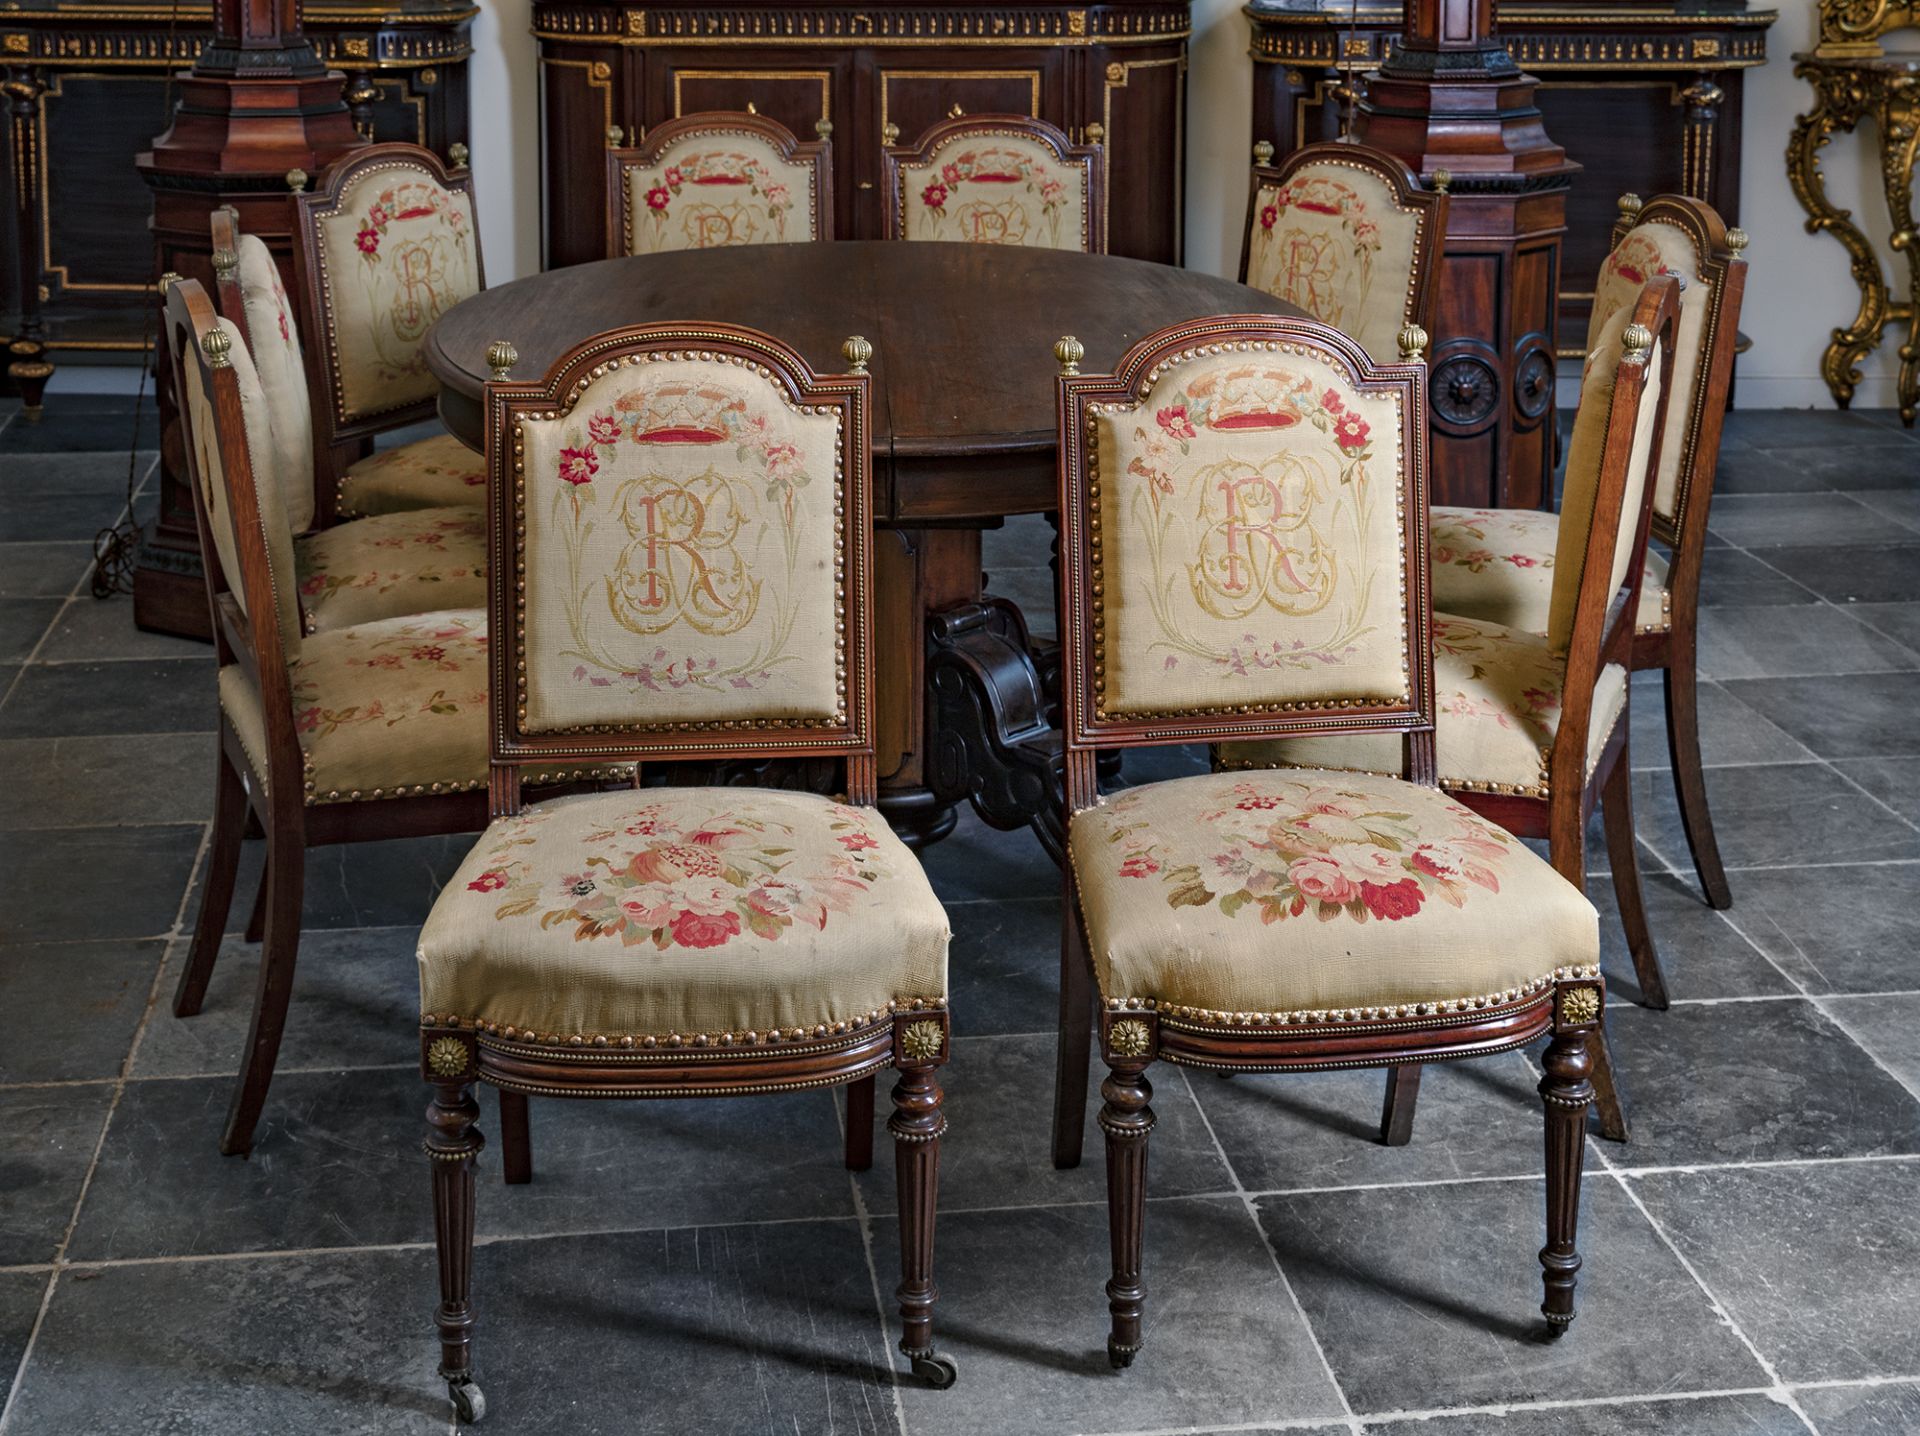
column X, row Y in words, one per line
column 1115, row 72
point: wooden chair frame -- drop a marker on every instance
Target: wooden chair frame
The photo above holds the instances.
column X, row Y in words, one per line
column 1133, row 1033
column 1091, row 158
column 915, row 1042
column 816, row 155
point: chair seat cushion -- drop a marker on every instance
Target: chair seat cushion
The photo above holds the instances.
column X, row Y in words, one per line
column 440, row 472
column 1303, row 892
column 391, row 565
column 1498, row 694
column 734, row 913
column 1497, row 564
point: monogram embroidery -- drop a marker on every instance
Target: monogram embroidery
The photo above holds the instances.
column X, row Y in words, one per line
column 415, row 261
column 707, row 199
column 996, row 193
column 1314, row 245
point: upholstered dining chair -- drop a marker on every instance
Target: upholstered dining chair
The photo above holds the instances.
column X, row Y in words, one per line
column 717, row 178
column 1347, row 233
column 363, row 570
column 997, row 179
column 1243, row 505
column 385, row 246
column 1531, row 729
column 1498, row 564
column 373, row 731
column 688, row 509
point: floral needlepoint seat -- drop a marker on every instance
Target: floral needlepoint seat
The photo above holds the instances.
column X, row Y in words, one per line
column 695, row 916
column 411, row 562
column 1497, row 565
column 431, row 473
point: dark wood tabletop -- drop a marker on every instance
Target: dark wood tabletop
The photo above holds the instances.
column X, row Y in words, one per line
column 963, row 364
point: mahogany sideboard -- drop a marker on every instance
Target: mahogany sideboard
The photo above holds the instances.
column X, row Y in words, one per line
column 1115, row 72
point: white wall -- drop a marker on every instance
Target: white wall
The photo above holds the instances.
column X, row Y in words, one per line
column 1797, row 290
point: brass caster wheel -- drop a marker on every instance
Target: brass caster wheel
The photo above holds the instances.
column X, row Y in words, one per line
column 1120, row 1357
column 469, row 1405
column 936, row 1370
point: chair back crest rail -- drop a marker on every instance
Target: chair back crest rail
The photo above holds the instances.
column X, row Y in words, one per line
column 1265, row 532
column 789, row 182
column 680, row 520
column 961, row 161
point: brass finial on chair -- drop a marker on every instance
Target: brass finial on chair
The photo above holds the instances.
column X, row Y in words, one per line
column 1069, row 351
column 857, row 352
column 615, row 137
column 216, row 344
column 1096, row 133
column 1630, row 206
column 1442, row 181
column 297, row 180
column 457, row 155
column 225, row 263
column 1736, row 240
column 1413, row 344
column 168, row 280
column 1636, row 340
column 823, row 128
column 501, row 357
column 1263, row 152
column 890, row 133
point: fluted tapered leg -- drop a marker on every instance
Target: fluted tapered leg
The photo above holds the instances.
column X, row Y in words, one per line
column 1567, row 1093
column 452, row 1144
column 917, row 1124
column 1127, row 1118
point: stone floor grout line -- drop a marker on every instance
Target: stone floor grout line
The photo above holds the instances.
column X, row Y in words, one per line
column 1571, row 1403
column 1912, row 1086
column 1868, row 793
column 864, row 1221
column 1286, row 1284
column 327, row 1070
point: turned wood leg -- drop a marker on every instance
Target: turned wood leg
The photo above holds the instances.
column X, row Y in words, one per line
column 452, row 1144
column 286, row 880
column 1567, row 1092
column 1689, row 778
column 516, row 1139
column 1126, row 1117
column 1403, row 1092
column 216, row 893
column 919, row 1047
column 1076, row 1037
column 860, row 1124
column 1623, row 856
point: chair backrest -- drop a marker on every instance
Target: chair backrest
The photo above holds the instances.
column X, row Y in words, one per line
column 387, row 244
column 1243, row 548
column 249, row 292
column 1674, row 234
column 1348, row 234
column 706, row 180
column 998, row 179
column 687, row 509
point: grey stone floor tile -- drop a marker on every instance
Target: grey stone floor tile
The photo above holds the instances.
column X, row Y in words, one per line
column 1730, row 732
column 42, row 570
column 107, row 781
column 337, row 1163
column 1752, row 1082
column 1778, row 816
column 1837, row 929
column 1900, row 505
column 390, row 883
column 1023, row 541
column 1765, row 521
column 93, row 629
column 1731, row 577
column 998, row 1147
column 1701, row 953
column 75, row 430
column 68, row 1010
column 23, row 622
column 976, row 862
column 49, row 1138
column 1894, row 781
column 1892, row 1410
column 56, row 878
column 1427, row 1297
column 95, row 472
column 1899, row 621
column 48, row 514
column 1003, row 967
column 20, row 1296
column 1023, row 1310
column 1749, row 1415
column 1817, row 1263
column 170, row 695
column 1753, row 471
column 1856, row 715
column 1888, row 1027
column 1866, row 572
column 1034, row 589
column 1755, row 643
column 1768, row 429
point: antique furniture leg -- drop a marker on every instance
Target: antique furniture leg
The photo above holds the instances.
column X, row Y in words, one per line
column 1127, row 1119
column 223, row 865
column 1607, row 1098
column 919, row 1049
column 286, row 878
column 1076, row 1036
column 859, row 1152
column 1623, row 856
column 257, row 918
column 1567, row 1092
column 516, row 1139
column 452, row 1144
column 1403, row 1093
column 1689, row 779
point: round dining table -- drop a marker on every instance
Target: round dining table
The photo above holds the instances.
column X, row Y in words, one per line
column 963, row 437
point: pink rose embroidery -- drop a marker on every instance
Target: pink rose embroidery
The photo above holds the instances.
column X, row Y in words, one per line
column 369, row 241
column 699, row 929
column 1332, row 402
column 1269, row 216
column 857, row 842
column 1139, row 865
column 1393, row 901
column 1321, row 880
column 657, row 198
column 603, row 429
column 1350, row 432
column 934, row 196
column 488, row 882
column 1523, row 560
column 578, row 466
column 1175, row 421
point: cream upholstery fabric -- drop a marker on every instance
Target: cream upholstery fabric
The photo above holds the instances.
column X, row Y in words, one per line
column 719, row 187
column 275, row 341
column 1333, row 241
column 1300, row 891
column 1499, row 693
column 381, row 709
column 1649, row 250
column 683, row 911
column 399, row 251
column 681, row 554
column 999, row 187
column 440, row 472
column 1497, row 564
column 391, row 565
column 1251, row 541
column 1579, row 488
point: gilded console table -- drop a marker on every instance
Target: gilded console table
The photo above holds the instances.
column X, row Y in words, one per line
column 1854, row 79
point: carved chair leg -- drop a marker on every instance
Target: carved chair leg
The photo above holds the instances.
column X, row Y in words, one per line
column 1689, row 777
column 1403, row 1092
column 516, row 1139
column 1623, row 856
column 216, row 894
column 919, row 1048
column 286, row 881
column 859, row 1154
column 257, row 915
column 1608, row 1098
column 1127, row 1118
column 452, row 1144
column 1076, row 1037
column 1567, row 1093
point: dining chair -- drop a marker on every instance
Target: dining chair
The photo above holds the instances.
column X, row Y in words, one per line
column 1243, row 558
column 361, row 733
column 1347, row 233
column 1531, row 730
column 362, row 570
column 717, row 178
column 386, row 245
column 1498, row 564
column 688, row 509
column 996, row 179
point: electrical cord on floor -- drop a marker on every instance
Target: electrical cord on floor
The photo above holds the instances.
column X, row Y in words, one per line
column 114, row 547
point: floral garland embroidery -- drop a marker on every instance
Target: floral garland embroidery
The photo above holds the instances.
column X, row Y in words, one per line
column 708, row 225
column 1305, row 263
column 986, row 220
column 413, row 649
column 1451, row 550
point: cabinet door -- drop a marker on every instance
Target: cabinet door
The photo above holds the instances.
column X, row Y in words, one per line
column 1141, row 101
column 918, row 90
